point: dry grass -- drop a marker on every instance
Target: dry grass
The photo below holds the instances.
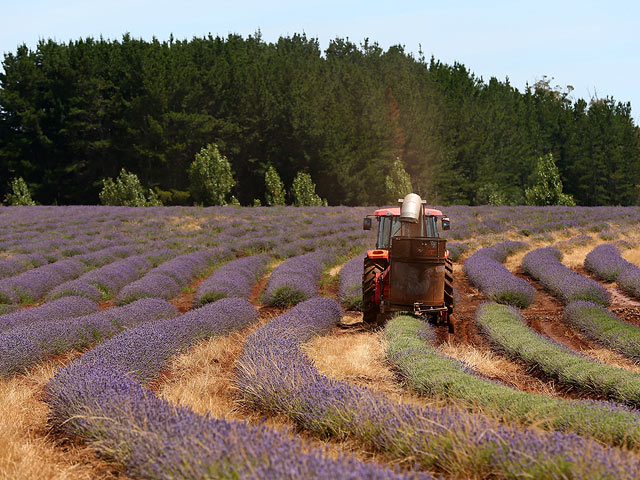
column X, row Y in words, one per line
column 201, row 377
column 611, row 358
column 186, row 223
column 27, row 450
column 359, row 358
column 632, row 255
column 496, row 367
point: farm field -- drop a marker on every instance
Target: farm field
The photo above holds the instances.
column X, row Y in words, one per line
column 226, row 342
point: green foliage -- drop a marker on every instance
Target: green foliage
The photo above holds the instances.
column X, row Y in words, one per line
column 398, row 183
column 547, row 186
column 285, row 296
column 19, row 193
column 210, row 177
column 256, row 202
column 127, row 191
column 275, row 192
column 340, row 114
column 428, row 372
column 234, row 201
column 303, row 191
column 172, row 196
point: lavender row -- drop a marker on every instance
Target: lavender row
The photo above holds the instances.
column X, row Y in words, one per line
column 295, row 279
column 55, row 310
column 105, row 282
column 24, row 346
column 602, row 326
column 20, row 263
column 34, row 284
column 167, row 280
column 544, row 265
column 605, row 262
column 485, row 270
column 350, row 289
column 506, row 330
column 100, row 398
column 235, row 279
column 274, row 375
column 428, row 372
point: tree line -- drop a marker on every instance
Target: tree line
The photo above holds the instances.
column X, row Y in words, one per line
column 73, row 114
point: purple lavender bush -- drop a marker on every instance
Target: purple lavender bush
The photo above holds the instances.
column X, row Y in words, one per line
column 274, row 375
column 105, row 282
column 34, row 284
column 167, row 280
column 294, row 280
column 26, row 345
column 235, row 279
column 606, row 263
column 350, row 289
column 55, row 310
column 485, row 270
column 544, row 265
column 100, row 398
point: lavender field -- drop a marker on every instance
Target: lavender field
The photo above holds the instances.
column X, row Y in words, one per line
column 225, row 342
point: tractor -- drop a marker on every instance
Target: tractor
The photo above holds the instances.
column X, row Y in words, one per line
column 410, row 269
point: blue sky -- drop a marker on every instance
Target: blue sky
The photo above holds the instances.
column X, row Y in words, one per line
column 593, row 46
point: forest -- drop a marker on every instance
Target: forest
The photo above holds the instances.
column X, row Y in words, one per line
column 75, row 113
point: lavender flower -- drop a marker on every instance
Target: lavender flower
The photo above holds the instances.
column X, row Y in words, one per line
column 485, row 271
column 99, row 397
column 350, row 290
column 294, row 280
column 25, row 345
column 235, row 279
column 544, row 265
column 55, row 310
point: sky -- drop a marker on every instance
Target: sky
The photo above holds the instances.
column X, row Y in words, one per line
column 594, row 46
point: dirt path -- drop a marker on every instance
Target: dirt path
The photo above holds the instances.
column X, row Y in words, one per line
column 469, row 346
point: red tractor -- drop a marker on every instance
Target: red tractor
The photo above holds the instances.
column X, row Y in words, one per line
column 410, row 269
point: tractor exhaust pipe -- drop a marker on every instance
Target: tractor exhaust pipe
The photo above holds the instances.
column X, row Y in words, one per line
column 410, row 208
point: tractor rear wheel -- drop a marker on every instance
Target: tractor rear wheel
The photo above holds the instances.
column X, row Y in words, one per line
column 370, row 309
column 448, row 291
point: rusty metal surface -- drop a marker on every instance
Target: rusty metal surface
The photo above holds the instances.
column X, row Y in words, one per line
column 417, row 271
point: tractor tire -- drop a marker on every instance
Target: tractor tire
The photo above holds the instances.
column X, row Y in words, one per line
column 448, row 292
column 370, row 310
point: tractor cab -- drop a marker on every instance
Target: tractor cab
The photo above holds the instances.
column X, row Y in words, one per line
column 390, row 225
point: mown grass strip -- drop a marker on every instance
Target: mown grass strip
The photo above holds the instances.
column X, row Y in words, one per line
column 506, row 329
column 428, row 372
column 602, row 326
